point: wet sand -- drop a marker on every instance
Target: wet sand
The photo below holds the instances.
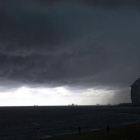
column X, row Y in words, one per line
column 125, row 132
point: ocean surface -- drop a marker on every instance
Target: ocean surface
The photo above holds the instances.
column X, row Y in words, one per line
column 28, row 123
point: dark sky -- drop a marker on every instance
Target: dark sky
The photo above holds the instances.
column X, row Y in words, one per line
column 76, row 45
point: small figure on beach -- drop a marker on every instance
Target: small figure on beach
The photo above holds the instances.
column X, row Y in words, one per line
column 79, row 129
column 37, row 132
column 108, row 128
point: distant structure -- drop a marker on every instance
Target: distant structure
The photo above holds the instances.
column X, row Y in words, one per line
column 73, row 104
column 135, row 93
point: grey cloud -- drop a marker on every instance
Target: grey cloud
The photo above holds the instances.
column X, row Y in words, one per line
column 123, row 96
column 33, row 30
column 110, row 4
column 70, row 45
column 96, row 3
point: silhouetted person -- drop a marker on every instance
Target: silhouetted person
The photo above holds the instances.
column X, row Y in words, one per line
column 79, row 129
column 108, row 128
column 37, row 129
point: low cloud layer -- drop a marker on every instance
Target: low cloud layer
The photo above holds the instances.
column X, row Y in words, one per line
column 76, row 44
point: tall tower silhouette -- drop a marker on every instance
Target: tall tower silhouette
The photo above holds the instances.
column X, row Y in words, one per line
column 135, row 92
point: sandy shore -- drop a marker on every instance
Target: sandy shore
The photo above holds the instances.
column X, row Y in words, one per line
column 125, row 132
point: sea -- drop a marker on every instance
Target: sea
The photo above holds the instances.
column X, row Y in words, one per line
column 32, row 122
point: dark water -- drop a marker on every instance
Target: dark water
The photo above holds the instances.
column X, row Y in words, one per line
column 27, row 123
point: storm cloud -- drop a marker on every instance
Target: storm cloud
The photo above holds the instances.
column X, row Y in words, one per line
column 87, row 43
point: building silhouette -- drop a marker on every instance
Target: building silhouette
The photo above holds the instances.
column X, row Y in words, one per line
column 135, row 92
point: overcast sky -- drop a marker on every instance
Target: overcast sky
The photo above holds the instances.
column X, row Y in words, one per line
column 61, row 52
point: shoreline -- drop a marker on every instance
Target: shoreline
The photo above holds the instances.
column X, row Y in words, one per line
column 92, row 130
column 128, row 131
column 88, row 131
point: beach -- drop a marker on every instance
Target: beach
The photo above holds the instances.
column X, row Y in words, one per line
column 62, row 122
column 125, row 132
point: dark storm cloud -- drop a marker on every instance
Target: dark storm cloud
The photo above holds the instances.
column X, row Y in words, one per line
column 57, row 43
column 110, row 3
